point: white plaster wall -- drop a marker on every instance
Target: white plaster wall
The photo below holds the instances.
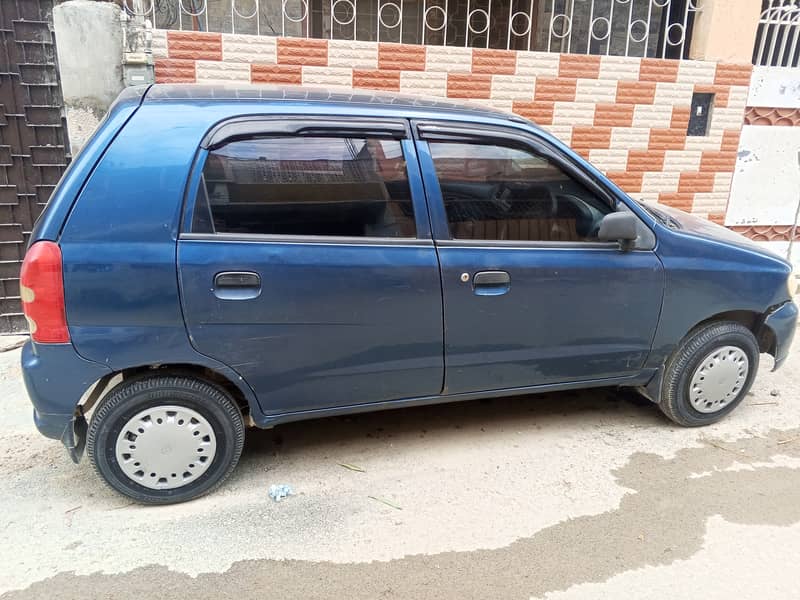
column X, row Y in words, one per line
column 776, row 87
column 766, row 182
column 89, row 47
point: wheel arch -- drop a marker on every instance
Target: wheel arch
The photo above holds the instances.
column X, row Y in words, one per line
column 238, row 389
column 752, row 320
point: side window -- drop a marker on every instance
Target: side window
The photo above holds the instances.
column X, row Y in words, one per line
column 331, row 186
column 494, row 192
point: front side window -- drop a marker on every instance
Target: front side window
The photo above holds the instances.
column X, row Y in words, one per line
column 328, row 186
column 495, row 192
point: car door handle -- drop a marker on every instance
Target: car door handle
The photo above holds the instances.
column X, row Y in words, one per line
column 237, row 285
column 491, row 278
column 491, row 283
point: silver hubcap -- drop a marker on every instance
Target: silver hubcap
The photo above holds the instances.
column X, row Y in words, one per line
column 166, row 447
column 718, row 379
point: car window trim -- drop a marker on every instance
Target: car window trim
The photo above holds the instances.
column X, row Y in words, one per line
column 527, row 244
column 446, row 131
column 439, row 131
column 345, row 126
column 254, row 127
column 327, row 240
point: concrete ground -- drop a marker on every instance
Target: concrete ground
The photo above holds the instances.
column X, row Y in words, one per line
column 563, row 496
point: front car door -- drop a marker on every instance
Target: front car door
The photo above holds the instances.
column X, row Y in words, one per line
column 531, row 297
column 306, row 262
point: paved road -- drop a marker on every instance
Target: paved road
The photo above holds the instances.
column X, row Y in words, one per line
column 564, row 496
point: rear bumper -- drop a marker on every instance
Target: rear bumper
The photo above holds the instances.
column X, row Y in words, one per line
column 782, row 322
column 56, row 377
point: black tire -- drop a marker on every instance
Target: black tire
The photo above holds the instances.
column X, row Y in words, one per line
column 140, row 393
column 675, row 398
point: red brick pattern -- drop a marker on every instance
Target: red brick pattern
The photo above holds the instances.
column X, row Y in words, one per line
column 680, row 117
column 377, row 79
column 667, row 139
column 730, row 140
column 733, row 74
column 401, row 57
column 628, row 116
column 646, row 160
column 560, row 89
column 636, row 92
column 629, row 181
column 298, row 51
column 194, row 45
column 590, row 138
column 657, row 69
column 576, row 66
column 540, row 112
column 276, row 74
column 718, row 162
column 175, row 70
column 614, row 115
column 461, row 85
column 494, row 62
column 680, row 200
column 696, row 181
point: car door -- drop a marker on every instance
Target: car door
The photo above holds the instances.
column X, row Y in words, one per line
column 306, row 262
column 531, row 297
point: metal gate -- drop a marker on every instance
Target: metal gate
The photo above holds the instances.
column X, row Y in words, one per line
column 33, row 138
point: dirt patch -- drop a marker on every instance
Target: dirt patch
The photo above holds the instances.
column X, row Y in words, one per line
column 661, row 520
column 17, row 453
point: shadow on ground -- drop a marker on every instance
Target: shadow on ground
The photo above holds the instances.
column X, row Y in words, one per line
column 458, row 420
column 662, row 520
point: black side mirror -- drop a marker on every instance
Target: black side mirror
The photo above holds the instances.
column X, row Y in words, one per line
column 618, row 227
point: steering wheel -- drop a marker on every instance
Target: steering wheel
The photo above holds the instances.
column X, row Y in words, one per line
column 499, row 194
column 585, row 224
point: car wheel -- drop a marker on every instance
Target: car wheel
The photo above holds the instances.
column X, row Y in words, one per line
column 709, row 374
column 165, row 439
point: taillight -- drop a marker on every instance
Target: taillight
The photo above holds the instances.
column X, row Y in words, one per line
column 42, row 291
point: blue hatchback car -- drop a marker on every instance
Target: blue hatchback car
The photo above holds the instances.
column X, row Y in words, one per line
column 219, row 257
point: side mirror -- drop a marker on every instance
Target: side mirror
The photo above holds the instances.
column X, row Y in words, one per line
column 618, row 227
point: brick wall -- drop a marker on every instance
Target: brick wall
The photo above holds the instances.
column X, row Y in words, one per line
column 628, row 116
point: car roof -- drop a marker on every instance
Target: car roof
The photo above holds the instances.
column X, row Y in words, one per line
column 325, row 98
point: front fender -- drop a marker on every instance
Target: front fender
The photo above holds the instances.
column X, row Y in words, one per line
column 780, row 325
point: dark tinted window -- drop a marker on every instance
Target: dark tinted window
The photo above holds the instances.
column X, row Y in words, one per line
column 306, row 186
column 494, row 192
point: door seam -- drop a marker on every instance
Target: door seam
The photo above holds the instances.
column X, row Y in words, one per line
column 414, row 139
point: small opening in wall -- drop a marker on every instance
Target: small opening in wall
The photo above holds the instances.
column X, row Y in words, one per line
column 700, row 117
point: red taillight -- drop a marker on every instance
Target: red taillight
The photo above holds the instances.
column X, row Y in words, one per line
column 42, row 292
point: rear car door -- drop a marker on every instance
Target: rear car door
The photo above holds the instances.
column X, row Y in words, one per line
column 531, row 297
column 306, row 262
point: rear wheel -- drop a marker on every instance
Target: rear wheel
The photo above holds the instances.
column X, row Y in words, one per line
column 165, row 439
column 709, row 374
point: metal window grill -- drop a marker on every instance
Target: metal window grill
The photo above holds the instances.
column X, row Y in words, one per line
column 778, row 36
column 656, row 28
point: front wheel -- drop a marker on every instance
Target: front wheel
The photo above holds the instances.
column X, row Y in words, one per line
column 709, row 374
column 165, row 439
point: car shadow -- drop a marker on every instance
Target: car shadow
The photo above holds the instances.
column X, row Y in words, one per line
column 598, row 406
